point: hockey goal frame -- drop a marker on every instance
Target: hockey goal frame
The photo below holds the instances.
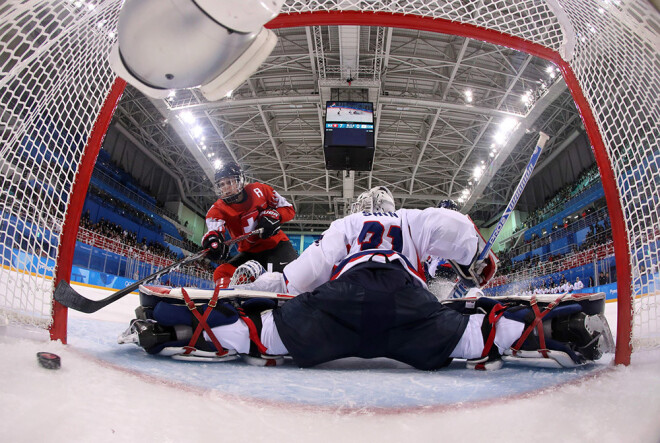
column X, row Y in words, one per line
column 410, row 15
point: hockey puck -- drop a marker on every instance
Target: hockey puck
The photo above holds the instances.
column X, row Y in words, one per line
column 48, row 360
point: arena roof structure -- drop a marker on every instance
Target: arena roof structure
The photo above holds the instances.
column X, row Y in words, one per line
column 455, row 118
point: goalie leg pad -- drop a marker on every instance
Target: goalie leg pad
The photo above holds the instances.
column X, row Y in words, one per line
column 170, row 315
column 560, row 332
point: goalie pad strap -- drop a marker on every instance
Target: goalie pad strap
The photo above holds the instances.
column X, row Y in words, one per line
column 489, row 323
column 253, row 323
column 537, row 324
column 203, row 325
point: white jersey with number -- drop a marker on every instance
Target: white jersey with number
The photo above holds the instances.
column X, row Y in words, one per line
column 407, row 236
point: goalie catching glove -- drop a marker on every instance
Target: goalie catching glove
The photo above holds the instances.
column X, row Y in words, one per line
column 478, row 272
column 270, row 221
column 214, row 242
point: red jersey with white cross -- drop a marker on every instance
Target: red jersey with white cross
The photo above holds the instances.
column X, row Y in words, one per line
column 241, row 218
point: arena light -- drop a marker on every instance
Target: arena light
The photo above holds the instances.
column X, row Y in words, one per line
column 218, row 164
column 506, row 127
column 478, row 171
column 197, row 131
column 187, row 117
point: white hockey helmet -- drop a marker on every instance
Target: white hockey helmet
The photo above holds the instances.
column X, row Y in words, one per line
column 168, row 45
column 377, row 199
column 383, row 199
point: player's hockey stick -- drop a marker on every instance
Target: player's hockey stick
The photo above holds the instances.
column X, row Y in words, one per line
column 461, row 288
column 68, row 296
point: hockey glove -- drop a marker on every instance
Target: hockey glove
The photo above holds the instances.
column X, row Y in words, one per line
column 269, row 220
column 213, row 241
column 479, row 272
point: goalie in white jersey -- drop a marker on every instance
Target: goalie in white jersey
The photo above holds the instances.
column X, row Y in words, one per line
column 362, row 294
column 375, row 232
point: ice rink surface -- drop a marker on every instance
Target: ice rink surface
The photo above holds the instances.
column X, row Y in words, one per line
column 110, row 392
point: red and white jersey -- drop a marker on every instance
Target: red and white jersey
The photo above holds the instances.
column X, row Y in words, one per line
column 241, row 218
column 408, row 236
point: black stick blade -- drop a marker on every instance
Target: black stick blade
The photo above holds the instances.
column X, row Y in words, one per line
column 68, row 297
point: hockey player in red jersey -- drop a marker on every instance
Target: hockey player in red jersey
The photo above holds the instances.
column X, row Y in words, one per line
column 242, row 208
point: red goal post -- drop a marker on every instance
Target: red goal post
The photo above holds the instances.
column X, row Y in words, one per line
column 607, row 53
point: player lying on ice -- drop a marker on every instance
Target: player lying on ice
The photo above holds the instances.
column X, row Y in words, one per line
column 360, row 293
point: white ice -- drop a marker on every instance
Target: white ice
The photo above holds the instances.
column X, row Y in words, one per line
column 97, row 399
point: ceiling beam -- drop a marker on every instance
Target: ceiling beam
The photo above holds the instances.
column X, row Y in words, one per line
column 270, row 137
column 525, row 126
column 429, row 133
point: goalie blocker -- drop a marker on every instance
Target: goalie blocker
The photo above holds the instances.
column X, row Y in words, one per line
column 478, row 272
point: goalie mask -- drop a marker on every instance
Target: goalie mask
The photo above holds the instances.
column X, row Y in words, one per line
column 229, row 182
column 378, row 199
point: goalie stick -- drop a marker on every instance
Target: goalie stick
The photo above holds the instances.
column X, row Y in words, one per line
column 69, row 297
column 461, row 288
column 202, row 296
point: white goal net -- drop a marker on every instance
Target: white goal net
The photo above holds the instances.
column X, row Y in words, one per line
column 54, row 80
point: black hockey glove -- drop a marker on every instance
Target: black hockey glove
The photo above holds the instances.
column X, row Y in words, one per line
column 269, row 220
column 213, row 241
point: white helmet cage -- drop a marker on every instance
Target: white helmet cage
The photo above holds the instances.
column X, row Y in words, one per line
column 383, row 200
column 246, row 273
column 378, row 199
column 363, row 202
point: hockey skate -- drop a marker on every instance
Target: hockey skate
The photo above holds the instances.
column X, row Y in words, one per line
column 130, row 335
column 146, row 334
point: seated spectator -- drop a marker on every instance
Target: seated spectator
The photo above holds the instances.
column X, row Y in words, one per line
column 578, row 284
